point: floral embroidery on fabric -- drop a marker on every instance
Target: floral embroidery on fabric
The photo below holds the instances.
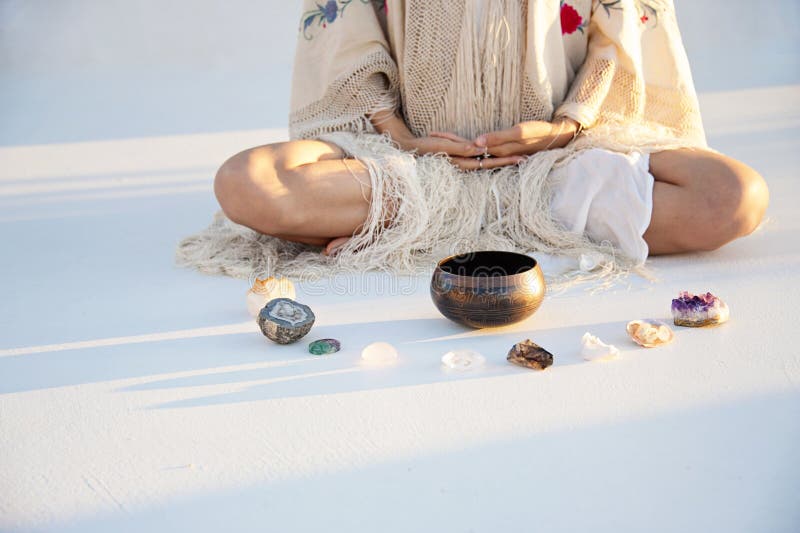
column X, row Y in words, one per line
column 571, row 20
column 648, row 12
column 328, row 13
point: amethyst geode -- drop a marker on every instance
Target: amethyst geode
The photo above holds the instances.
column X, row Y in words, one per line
column 698, row 310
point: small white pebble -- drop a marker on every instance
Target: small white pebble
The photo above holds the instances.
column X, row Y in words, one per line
column 379, row 353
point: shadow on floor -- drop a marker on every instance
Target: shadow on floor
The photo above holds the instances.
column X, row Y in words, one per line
column 612, row 477
column 421, row 344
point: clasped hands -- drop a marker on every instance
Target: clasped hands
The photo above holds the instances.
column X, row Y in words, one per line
column 506, row 147
column 498, row 148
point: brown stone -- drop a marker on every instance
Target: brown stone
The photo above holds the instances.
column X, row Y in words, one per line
column 530, row 355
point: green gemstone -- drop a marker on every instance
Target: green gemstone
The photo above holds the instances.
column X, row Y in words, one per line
column 324, row 346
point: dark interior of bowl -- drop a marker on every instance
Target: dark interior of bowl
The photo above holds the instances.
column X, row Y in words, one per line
column 488, row 264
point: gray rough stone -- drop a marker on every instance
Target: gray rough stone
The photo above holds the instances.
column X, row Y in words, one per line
column 285, row 321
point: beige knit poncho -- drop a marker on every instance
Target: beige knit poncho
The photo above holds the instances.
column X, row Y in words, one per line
column 616, row 66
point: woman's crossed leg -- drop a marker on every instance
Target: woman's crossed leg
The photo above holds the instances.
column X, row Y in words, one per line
column 308, row 191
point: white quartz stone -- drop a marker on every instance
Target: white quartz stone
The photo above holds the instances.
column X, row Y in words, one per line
column 463, row 360
column 593, row 349
column 379, row 353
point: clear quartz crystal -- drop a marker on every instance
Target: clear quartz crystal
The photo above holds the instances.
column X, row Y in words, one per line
column 463, row 360
column 379, row 353
column 593, row 349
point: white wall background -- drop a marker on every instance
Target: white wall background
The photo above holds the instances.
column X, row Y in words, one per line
column 74, row 70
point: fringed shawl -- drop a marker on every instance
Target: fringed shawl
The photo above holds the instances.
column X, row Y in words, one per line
column 616, row 66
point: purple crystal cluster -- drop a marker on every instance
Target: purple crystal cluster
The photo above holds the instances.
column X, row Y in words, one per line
column 696, row 310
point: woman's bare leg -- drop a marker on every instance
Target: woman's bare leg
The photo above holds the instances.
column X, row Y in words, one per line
column 304, row 191
column 702, row 200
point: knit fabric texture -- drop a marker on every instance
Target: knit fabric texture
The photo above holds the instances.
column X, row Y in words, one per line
column 616, row 66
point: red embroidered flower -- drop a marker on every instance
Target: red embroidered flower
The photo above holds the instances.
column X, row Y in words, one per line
column 644, row 18
column 570, row 19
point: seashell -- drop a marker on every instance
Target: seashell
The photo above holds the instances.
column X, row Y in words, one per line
column 699, row 310
column 324, row 346
column 285, row 321
column 649, row 333
column 593, row 349
column 530, row 355
column 590, row 261
column 379, row 353
column 463, row 360
column 266, row 289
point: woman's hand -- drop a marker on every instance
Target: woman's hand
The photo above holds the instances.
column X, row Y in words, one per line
column 529, row 137
column 462, row 152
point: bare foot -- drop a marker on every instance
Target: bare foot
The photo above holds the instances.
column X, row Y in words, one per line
column 334, row 245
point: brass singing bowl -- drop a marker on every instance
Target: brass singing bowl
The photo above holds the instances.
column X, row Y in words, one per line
column 487, row 288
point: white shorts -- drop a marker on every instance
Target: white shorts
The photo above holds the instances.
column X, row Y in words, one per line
column 608, row 196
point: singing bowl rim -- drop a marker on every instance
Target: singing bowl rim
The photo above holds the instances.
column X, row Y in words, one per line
column 488, row 281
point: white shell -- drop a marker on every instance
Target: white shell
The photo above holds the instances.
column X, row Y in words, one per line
column 379, row 353
column 264, row 290
column 649, row 333
column 593, row 349
column 590, row 261
column 463, row 360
